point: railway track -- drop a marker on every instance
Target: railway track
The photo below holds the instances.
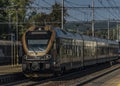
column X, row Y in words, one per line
column 75, row 78
column 11, row 78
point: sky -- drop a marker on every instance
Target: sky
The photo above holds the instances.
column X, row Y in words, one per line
column 81, row 14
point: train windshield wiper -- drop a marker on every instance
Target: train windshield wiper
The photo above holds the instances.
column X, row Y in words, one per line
column 41, row 49
column 33, row 49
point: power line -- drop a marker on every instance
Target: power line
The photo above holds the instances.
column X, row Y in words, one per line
column 71, row 3
column 74, row 18
column 47, row 2
column 116, row 5
column 75, row 7
column 109, row 9
column 112, row 5
column 76, row 4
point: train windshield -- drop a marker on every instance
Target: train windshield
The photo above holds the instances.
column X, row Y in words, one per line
column 38, row 42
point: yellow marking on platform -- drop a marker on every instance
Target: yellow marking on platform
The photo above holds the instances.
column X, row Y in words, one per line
column 118, row 85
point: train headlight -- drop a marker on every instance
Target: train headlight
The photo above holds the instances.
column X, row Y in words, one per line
column 24, row 57
column 46, row 57
column 54, row 63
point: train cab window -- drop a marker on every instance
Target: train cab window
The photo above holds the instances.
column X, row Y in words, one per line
column 38, row 41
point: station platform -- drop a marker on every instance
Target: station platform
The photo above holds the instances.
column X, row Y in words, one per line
column 115, row 81
column 10, row 69
column 111, row 77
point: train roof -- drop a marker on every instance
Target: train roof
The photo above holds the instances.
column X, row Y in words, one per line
column 64, row 34
column 69, row 35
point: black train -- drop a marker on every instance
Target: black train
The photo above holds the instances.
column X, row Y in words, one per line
column 50, row 50
column 10, row 52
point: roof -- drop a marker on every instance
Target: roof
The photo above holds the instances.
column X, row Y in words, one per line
column 65, row 34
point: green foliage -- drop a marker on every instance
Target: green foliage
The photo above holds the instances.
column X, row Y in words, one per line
column 13, row 16
column 53, row 18
column 13, row 11
column 3, row 14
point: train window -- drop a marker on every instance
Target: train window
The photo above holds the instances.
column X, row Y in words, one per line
column 85, row 51
column 78, row 51
column 70, row 50
column 63, row 49
column 64, row 31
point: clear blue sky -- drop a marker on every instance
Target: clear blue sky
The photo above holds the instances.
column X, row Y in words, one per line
column 85, row 14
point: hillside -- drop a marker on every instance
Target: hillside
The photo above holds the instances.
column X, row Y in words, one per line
column 83, row 26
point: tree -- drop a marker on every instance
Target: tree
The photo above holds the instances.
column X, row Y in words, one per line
column 55, row 15
column 3, row 16
column 53, row 18
column 12, row 11
column 38, row 19
column 18, row 12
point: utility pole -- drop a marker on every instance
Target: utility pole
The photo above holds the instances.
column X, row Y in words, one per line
column 113, row 34
column 108, row 29
column 93, row 33
column 9, row 22
column 11, row 39
column 62, row 15
column 117, row 32
column 17, row 35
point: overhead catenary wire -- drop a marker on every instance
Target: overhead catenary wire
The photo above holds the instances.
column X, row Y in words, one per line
column 112, row 4
column 109, row 10
column 47, row 2
column 118, row 10
column 73, row 6
column 79, row 11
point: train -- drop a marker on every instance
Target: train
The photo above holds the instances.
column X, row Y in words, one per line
column 50, row 50
column 10, row 52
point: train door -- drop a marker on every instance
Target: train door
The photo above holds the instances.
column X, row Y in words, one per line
column 82, row 53
column 58, row 45
column 97, row 52
column 57, row 50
